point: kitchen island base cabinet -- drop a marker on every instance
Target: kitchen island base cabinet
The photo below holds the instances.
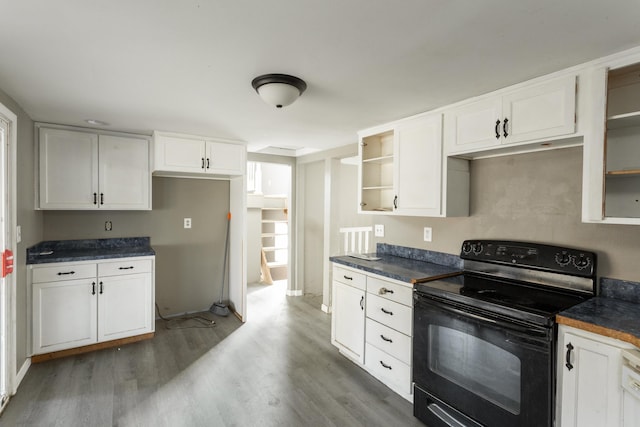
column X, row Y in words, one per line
column 108, row 301
column 589, row 379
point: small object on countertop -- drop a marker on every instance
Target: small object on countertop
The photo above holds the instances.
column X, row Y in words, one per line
column 45, row 253
column 365, row 257
column 438, row 277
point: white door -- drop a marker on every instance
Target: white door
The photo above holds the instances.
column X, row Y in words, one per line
column 473, row 126
column 224, row 158
column 180, row 154
column 5, row 307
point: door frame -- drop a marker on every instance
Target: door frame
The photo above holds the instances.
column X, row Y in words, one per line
column 10, row 239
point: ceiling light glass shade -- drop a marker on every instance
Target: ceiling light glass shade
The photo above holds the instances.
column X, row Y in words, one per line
column 279, row 89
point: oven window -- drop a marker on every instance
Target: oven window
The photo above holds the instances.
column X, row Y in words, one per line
column 476, row 365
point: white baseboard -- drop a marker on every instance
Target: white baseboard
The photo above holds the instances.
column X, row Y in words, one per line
column 21, row 373
column 326, row 309
column 294, row 292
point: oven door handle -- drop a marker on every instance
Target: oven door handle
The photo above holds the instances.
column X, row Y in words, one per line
column 502, row 324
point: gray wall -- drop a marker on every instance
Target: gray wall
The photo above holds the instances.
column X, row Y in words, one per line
column 530, row 197
column 188, row 261
column 313, row 226
column 29, row 219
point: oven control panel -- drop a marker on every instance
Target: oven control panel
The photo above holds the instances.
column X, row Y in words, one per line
column 538, row 256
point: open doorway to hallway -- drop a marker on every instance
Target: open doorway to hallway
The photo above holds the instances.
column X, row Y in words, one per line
column 268, row 225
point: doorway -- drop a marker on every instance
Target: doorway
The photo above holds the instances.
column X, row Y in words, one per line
column 269, row 204
column 8, row 122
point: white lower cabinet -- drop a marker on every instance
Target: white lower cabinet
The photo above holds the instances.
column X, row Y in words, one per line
column 347, row 315
column 79, row 304
column 376, row 319
column 589, row 379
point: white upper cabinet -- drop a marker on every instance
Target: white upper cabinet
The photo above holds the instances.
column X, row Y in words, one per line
column 533, row 113
column 402, row 171
column 81, row 170
column 611, row 180
column 185, row 155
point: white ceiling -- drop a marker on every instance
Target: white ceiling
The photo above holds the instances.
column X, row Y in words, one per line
column 186, row 66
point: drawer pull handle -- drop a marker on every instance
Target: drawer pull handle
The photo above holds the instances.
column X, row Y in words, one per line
column 568, row 357
column 93, row 288
column 384, row 365
column 390, row 313
column 505, row 128
column 102, row 198
column 385, row 338
column 347, row 277
column 497, row 129
column 95, row 198
column 101, row 288
column 126, row 268
column 362, row 302
column 64, row 273
column 384, row 291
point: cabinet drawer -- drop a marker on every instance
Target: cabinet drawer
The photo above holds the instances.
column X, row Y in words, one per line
column 389, row 313
column 391, row 291
column 389, row 340
column 125, row 266
column 388, row 369
column 350, row 277
column 56, row 273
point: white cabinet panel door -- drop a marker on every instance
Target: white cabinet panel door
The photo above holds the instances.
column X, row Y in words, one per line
column 474, row 126
column 124, row 173
column 542, row 111
column 64, row 315
column 419, row 166
column 225, row 159
column 179, row 154
column 591, row 391
column 68, row 169
column 124, row 306
column 347, row 326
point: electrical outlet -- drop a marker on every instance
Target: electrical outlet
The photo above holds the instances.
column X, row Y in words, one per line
column 187, row 223
column 427, row 234
column 378, row 230
column 108, row 226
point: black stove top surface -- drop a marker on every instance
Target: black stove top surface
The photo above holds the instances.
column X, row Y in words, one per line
column 517, row 300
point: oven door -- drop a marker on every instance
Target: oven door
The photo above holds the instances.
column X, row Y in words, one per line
column 495, row 371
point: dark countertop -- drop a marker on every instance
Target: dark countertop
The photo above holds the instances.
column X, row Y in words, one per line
column 405, row 264
column 90, row 249
column 615, row 313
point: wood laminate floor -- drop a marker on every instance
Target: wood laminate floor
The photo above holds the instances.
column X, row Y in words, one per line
column 278, row 369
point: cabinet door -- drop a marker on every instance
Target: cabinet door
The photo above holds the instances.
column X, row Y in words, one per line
column 174, row 154
column 124, row 173
column 68, row 169
column 541, row 111
column 125, row 306
column 473, row 126
column 419, row 166
column 224, row 158
column 347, row 320
column 64, row 315
column 591, row 391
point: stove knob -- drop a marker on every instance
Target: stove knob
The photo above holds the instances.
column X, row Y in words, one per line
column 477, row 248
column 581, row 262
column 563, row 258
column 466, row 247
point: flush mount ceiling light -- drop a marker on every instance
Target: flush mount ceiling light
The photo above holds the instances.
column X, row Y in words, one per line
column 96, row 122
column 279, row 89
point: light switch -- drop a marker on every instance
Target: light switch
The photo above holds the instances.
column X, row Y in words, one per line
column 187, row 223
